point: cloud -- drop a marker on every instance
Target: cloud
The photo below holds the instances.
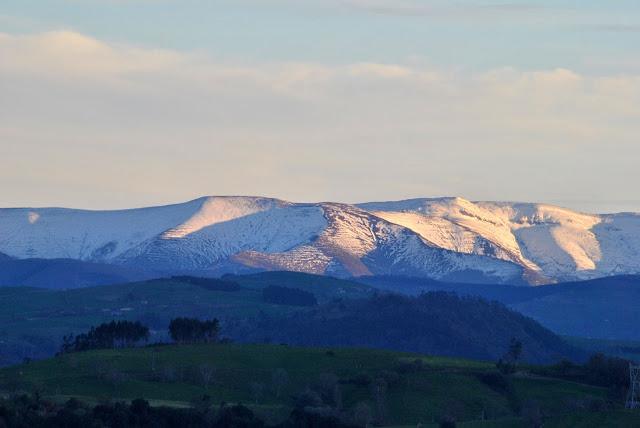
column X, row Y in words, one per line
column 116, row 125
column 68, row 53
column 440, row 8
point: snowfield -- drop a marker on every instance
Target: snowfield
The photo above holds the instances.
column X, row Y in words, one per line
column 444, row 238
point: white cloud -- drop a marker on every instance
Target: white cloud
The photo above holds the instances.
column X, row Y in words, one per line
column 80, row 116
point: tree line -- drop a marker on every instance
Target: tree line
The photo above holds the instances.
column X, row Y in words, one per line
column 115, row 334
column 126, row 334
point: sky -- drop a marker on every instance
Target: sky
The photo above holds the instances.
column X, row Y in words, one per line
column 110, row 104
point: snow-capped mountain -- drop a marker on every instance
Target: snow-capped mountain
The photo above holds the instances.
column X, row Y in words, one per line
column 549, row 242
column 447, row 238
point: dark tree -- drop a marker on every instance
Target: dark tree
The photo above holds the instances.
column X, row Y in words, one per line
column 508, row 363
column 192, row 330
column 115, row 334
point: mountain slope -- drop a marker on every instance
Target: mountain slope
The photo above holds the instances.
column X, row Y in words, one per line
column 450, row 239
column 550, row 243
column 215, row 235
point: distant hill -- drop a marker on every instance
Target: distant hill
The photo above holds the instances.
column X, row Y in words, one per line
column 33, row 320
column 435, row 323
column 65, row 273
column 604, row 308
column 325, row 288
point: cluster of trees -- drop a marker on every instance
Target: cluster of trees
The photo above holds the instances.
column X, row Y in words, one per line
column 320, row 402
column 288, row 296
column 115, row 334
column 125, row 334
column 192, row 330
column 32, row 412
column 27, row 411
column 599, row 370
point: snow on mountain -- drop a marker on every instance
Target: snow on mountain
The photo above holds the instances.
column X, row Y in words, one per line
column 84, row 235
column 550, row 243
column 219, row 234
column 444, row 238
column 225, row 227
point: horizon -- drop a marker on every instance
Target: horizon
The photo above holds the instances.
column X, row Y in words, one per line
column 188, row 200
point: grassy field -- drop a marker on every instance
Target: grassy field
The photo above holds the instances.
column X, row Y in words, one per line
column 173, row 375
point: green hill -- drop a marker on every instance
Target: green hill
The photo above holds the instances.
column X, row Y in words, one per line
column 33, row 320
column 416, row 388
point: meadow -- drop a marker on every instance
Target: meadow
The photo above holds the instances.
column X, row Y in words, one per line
column 416, row 388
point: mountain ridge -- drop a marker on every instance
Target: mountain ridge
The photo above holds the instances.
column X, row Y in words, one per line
column 447, row 238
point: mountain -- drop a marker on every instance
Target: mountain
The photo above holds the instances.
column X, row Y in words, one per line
column 215, row 235
column 449, row 239
column 550, row 243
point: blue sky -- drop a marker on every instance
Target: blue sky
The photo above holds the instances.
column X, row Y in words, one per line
column 114, row 103
column 585, row 35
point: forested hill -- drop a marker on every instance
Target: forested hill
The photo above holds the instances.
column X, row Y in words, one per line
column 434, row 323
column 603, row 308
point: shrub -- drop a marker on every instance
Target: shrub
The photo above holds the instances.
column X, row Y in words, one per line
column 496, row 381
column 447, row 422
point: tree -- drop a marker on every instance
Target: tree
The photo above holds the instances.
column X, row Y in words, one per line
column 447, row 421
column 206, row 373
column 115, row 334
column 606, row 371
column 202, row 404
column 379, row 395
column 531, row 413
column 508, row 363
column 236, row 416
column 362, row 414
column 307, row 398
column 257, row 391
column 192, row 330
column 279, row 379
column 329, row 388
column 515, row 349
